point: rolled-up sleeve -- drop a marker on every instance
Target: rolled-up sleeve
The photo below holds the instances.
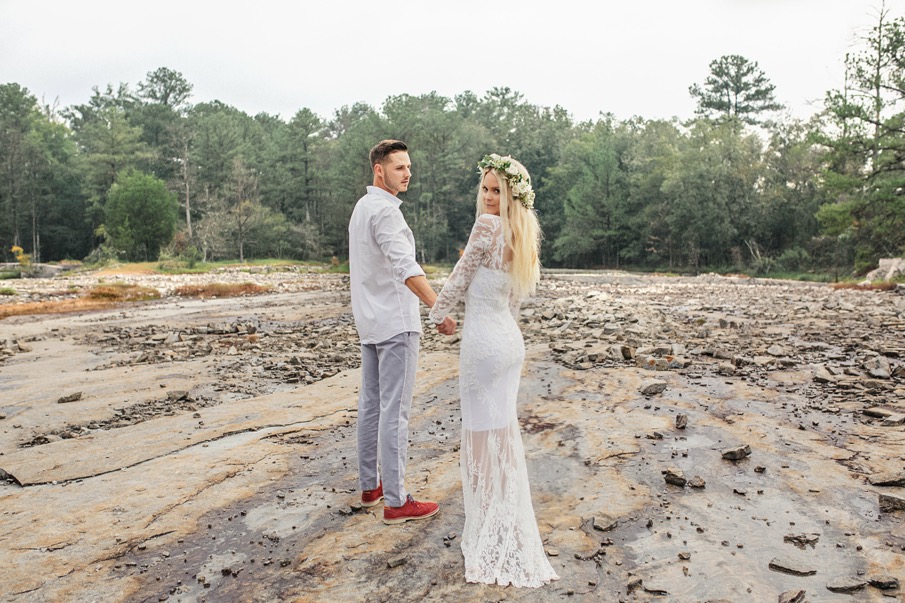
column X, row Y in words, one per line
column 397, row 243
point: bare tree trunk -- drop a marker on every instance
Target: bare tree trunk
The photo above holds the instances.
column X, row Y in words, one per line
column 187, row 187
column 878, row 88
column 12, row 194
column 35, row 238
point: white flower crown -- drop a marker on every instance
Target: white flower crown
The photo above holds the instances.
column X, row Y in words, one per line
column 518, row 183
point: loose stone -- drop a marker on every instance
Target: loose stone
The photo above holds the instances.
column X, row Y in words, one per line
column 887, row 479
column 846, row 585
column 652, row 387
column 891, row 504
column 790, row 566
column 884, row 582
column 697, row 482
column 792, row 596
column 675, row 476
column 603, row 526
column 736, row 453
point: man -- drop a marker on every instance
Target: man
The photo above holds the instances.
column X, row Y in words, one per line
column 384, row 277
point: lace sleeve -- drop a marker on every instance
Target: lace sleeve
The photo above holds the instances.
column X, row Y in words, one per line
column 454, row 290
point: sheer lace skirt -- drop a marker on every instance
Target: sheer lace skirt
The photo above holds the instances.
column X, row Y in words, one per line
column 501, row 542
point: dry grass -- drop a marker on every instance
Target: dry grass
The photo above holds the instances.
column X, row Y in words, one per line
column 879, row 286
column 104, row 296
column 51, row 307
column 221, row 290
column 121, row 292
column 138, row 268
column 97, row 298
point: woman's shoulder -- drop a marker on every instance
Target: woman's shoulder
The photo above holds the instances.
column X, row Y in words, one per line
column 488, row 221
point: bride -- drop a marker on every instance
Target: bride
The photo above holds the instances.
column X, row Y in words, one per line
column 500, row 266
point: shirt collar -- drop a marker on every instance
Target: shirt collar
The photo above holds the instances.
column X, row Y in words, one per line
column 376, row 190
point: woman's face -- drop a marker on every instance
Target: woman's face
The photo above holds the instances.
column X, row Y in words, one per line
column 490, row 191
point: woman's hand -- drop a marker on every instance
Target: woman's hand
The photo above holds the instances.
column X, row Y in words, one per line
column 448, row 326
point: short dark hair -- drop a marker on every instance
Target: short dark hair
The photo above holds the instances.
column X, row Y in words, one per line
column 384, row 149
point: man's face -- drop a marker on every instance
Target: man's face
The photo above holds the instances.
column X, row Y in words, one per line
column 396, row 171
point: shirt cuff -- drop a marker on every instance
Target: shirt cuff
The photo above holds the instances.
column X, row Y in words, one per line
column 412, row 271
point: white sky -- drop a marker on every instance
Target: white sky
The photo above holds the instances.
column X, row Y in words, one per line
column 628, row 57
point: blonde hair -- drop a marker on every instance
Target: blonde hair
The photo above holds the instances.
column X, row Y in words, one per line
column 521, row 232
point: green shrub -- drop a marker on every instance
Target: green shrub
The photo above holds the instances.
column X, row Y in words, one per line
column 795, row 259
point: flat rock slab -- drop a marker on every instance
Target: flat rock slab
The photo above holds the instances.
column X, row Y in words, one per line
column 884, row 582
column 736, row 453
column 112, row 450
column 894, row 420
column 791, row 566
column 846, row 584
column 887, row 479
column 891, row 504
column 652, row 387
column 792, row 596
column 877, row 412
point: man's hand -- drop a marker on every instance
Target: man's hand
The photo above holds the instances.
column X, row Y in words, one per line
column 448, row 326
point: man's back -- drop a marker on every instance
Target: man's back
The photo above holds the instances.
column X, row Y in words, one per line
column 381, row 259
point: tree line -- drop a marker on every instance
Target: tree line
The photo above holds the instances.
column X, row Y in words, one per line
column 140, row 173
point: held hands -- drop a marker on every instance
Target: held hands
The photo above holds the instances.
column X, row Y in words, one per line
column 448, row 326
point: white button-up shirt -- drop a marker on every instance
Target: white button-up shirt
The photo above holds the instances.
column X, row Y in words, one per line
column 381, row 258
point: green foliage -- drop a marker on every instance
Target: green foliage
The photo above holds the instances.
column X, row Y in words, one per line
column 7, row 291
column 707, row 185
column 811, row 277
column 166, row 87
column 794, row 259
column 186, row 261
column 37, row 176
column 140, row 215
column 595, row 187
column 145, row 174
column 736, row 89
column 866, row 140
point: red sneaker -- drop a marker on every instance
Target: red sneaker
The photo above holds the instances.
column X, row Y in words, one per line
column 369, row 498
column 411, row 510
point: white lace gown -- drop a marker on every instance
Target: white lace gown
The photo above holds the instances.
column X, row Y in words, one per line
column 500, row 542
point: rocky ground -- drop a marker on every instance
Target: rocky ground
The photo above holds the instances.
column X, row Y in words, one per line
column 688, row 439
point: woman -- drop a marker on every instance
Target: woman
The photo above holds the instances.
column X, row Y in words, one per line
column 501, row 543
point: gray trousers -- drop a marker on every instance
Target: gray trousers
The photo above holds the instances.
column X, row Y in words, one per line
column 384, row 400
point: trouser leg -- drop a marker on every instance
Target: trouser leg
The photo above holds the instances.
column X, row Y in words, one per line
column 368, row 418
column 397, row 365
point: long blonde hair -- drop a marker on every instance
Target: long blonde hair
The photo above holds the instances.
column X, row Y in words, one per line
column 521, row 232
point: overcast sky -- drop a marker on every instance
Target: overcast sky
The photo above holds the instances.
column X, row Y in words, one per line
column 628, row 57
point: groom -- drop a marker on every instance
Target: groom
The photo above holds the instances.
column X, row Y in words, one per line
column 384, row 276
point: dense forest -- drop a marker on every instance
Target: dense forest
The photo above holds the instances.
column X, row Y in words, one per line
column 141, row 173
